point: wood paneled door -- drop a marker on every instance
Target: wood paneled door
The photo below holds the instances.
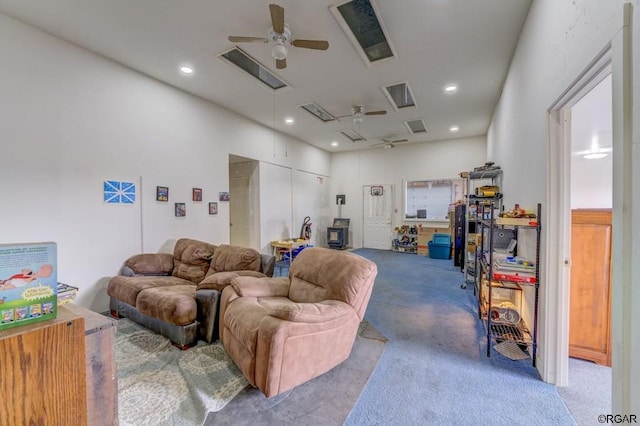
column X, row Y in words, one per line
column 590, row 292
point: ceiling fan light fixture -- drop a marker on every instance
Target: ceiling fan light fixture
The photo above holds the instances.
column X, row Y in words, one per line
column 595, row 155
column 279, row 51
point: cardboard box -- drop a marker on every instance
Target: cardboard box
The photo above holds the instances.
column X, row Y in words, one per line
column 423, row 249
column 28, row 283
column 428, row 232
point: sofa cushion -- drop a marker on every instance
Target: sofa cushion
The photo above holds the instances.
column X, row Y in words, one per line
column 150, row 264
column 219, row 280
column 175, row 304
column 191, row 259
column 232, row 258
column 126, row 289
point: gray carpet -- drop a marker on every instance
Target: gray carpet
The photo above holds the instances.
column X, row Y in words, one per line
column 589, row 392
column 325, row 400
column 434, row 370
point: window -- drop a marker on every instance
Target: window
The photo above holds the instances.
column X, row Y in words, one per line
column 399, row 95
column 249, row 65
column 427, row 199
column 360, row 20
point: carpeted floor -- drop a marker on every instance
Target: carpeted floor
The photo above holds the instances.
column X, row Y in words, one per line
column 589, row 392
column 159, row 384
column 325, row 400
column 434, row 369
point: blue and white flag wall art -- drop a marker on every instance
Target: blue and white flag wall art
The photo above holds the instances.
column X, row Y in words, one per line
column 119, row 192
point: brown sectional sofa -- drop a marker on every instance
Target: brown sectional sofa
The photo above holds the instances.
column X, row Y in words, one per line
column 284, row 331
column 177, row 295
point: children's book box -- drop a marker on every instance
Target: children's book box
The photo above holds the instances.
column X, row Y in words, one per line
column 28, row 283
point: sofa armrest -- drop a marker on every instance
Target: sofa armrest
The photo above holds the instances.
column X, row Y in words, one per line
column 150, row 264
column 207, row 302
column 327, row 310
column 261, row 287
column 268, row 264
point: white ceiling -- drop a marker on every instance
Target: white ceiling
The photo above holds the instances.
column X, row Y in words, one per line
column 437, row 42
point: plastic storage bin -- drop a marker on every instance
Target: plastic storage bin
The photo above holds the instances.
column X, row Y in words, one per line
column 440, row 246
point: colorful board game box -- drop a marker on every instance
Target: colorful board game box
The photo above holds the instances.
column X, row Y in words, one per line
column 28, row 283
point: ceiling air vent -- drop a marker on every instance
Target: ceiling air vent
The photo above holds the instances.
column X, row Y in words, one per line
column 246, row 63
column 318, row 112
column 360, row 20
column 416, row 126
column 352, row 135
column 399, row 95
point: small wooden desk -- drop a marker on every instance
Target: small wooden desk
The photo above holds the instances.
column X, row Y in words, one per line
column 281, row 246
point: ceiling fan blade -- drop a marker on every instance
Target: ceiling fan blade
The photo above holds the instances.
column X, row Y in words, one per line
column 243, row 39
column 281, row 64
column 311, row 44
column 277, row 18
column 381, row 112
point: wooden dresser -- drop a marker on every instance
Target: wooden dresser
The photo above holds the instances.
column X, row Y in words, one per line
column 59, row 372
column 590, row 292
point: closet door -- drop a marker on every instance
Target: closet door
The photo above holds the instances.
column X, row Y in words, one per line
column 590, row 293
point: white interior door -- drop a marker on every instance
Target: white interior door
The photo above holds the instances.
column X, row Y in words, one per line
column 377, row 217
column 239, row 207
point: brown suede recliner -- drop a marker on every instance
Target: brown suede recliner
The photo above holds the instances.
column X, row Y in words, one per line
column 282, row 332
column 177, row 295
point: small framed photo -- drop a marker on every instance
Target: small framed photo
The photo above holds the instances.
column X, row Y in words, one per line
column 162, row 193
column 197, row 194
column 376, row 190
column 224, row 196
column 213, row 208
column 181, row 209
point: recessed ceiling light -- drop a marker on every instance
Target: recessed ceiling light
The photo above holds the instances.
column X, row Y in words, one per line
column 288, row 120
column 334, row 143
column 185, row 69
column 454, row 129
column 450, row 88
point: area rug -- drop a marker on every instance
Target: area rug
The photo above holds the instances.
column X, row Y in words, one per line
column 159, row 384
column 325, row 400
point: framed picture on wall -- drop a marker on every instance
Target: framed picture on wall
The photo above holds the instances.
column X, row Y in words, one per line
column 213, row 208
column 197, row 194
column 162, row 193
column 224, row 196
column 181, row 209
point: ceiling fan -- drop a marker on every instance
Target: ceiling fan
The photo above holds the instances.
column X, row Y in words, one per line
column 388, row 143
column 279, row 37
column 358, row 112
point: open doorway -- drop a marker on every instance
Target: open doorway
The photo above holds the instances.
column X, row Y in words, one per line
column 243, row 202
column 580, row 210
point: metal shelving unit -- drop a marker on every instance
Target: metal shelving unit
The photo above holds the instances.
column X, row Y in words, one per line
column 473, row 202
column 489, row 280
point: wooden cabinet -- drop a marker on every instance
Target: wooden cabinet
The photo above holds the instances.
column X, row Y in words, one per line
column 100, row 362
column 42, row 374
column 590, row 291
column 60, row 372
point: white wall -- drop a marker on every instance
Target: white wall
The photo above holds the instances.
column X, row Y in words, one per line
column 592, row 180
column 558, row 42
column 70, row 119
column 439, row 159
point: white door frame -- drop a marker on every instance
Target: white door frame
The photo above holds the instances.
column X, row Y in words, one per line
column 617, row 57
column 555, row 359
